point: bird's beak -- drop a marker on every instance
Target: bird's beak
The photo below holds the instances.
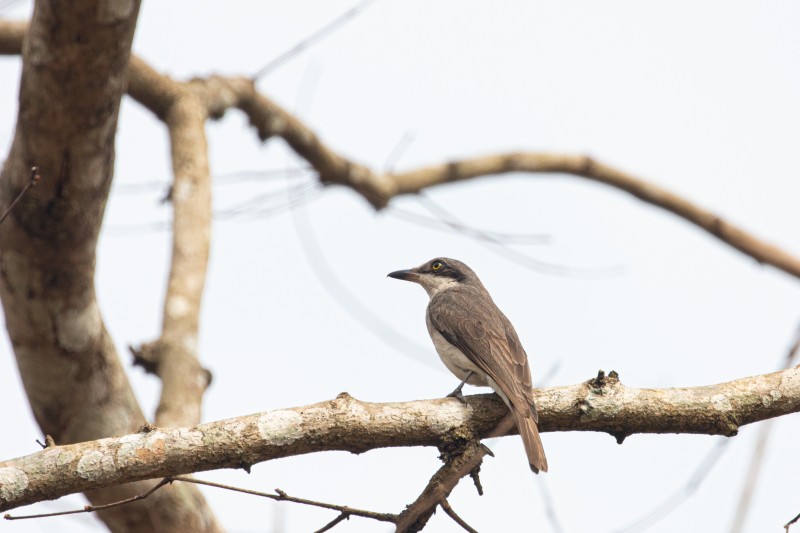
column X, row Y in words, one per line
column 408, row 275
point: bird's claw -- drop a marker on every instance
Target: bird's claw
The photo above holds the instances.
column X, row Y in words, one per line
column 457, row 394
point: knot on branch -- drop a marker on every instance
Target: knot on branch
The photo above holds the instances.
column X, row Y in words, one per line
column 455, row 442
column 587, row 166
column 147, row 427
column 602, row 381
column 48, row 442
column 344, row 398
column 599, row 386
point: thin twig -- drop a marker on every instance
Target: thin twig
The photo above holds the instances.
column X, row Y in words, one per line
column 281, row 496
column 790, row 522
column 318, row 35
column 682, row 494
column 472, row 232
column 549, row 507
column 344, row 297
column 225, row 178
column 457, row 519
column 500, row 248
column 397, row 152
column 35, row 177
column 95, row 508
column 330, row 525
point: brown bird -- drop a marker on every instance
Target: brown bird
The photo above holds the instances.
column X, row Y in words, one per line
column 478, row 344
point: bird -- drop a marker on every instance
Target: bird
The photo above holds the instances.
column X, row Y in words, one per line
column 478, row 344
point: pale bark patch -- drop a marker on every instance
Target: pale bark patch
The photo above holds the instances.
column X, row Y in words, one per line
column 178, row 307
column 281, row 427
column 78, row 328
column 95, row 464
column 13, row 482
column 721, row 402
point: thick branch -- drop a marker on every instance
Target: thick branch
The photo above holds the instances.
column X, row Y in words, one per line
column 601, row 404
column 75, row 66
column 173, row 356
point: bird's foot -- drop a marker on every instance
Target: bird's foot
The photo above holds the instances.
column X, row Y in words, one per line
column 458, row 395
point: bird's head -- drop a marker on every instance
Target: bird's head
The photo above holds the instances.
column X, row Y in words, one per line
column 438, row 274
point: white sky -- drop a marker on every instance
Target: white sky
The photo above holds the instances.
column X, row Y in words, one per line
column 698, row 97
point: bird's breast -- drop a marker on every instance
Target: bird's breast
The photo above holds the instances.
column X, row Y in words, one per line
column 454, row 359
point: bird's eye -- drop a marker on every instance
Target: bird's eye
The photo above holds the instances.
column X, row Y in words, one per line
column 436, row 266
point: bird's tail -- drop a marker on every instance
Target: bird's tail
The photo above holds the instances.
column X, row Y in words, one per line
column 529, row 432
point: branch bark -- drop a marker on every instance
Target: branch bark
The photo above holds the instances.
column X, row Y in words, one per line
column 174, row 355
column 416, row 516
column 49, row 245
column 75, row 66
column 600, row 404
column 270, row 119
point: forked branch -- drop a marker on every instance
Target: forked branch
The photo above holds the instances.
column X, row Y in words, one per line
column 600, row 404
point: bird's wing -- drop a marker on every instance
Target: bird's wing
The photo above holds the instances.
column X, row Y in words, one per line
column 482, row 332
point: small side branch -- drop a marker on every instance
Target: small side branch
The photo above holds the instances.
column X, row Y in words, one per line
column 345, row 512
column 416, row 515
column 350, row 425
column 281, row 496
column 379, row 188
column 457, row 519
column 31, row 183
column 790, row 522
column 95, row 508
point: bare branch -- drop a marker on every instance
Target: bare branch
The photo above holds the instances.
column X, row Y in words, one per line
column 511, row 254
column 318, row 35
column 330, row 525
column 457, row 465
column 581, row 166
column 270, row 119
column 677, row 498
column 457, row 519
column 74, row 73
column 790, row 522
column 345, row 511
column 94, row 508
column 450, row 226
column 281, row 496
column 348, row 424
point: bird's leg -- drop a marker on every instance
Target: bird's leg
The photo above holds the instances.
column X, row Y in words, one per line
column 457, row 393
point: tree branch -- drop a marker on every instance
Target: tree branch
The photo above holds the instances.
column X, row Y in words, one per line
column 271, row 120
column 600, row 404
column 74, row 73
column 173, row 356
column 457, row 465
column 379, row 188
column 457, row 519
